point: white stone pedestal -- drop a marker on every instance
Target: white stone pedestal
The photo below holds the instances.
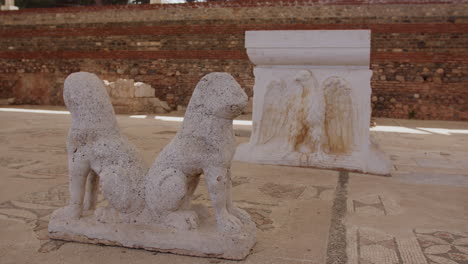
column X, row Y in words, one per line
column 9, row 5
column 159, row 2
column 205, row 241
column 311, row 105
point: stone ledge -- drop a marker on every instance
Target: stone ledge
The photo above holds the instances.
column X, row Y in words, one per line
column 206, row 241
column 309, row 47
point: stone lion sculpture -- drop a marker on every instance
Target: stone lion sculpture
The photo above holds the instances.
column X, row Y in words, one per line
column 204, row 145
column 97, row 151
column 99, row 154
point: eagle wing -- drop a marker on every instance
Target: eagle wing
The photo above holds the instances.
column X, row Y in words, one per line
column 338, row 115
column 275, row 111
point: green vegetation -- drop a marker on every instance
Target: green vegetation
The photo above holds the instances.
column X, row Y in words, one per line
column 412, row 114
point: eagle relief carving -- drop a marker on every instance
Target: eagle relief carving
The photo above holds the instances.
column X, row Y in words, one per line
column 313, row 118
column 312, row 104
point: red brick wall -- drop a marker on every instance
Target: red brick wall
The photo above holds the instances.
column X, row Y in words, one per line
column 419, row 51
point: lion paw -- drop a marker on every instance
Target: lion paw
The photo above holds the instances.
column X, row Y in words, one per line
column 107, row 215
column 73, row 211
column 241, row 214
column 182, row 220
column 229, row 223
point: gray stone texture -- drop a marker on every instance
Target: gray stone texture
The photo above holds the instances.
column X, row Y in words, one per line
column 153, row 209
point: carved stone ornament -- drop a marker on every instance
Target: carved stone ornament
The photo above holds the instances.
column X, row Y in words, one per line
column 152, row 208
column 311, row 105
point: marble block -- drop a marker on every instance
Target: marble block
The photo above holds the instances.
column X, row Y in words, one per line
column 311, row 105
column 205, row 241
column 9, row 5
column 151, row 207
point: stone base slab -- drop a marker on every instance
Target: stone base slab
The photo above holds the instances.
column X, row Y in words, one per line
column 373, row 162
column 205, row 241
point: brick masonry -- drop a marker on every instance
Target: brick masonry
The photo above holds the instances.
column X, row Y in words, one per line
column 419, row 51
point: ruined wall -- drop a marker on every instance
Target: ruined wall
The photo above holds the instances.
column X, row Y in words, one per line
column 419, row 48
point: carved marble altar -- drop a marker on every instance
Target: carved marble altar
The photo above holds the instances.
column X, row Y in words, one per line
column 152, row 208
column 9, row 5
column 311, row 105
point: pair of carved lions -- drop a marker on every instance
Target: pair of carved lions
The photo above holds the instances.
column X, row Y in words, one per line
column 99, row 154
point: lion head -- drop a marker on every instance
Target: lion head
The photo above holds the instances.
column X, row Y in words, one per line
column 218, row 94
column 87, row 100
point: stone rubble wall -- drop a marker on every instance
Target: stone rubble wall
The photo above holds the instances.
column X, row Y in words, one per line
column 128, row 96
column 419, row 52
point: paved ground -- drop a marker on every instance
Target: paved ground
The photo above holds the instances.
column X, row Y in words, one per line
column 420, row 215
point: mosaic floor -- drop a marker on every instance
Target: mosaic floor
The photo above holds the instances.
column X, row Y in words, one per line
column 419, row 215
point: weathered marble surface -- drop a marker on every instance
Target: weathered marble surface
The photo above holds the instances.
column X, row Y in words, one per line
column 153, row 208
column 312, row 101
column 9, row 5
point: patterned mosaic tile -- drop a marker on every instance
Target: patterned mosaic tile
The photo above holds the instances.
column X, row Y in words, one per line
column 35, row 209
column 290, row 191
column 374, row 205
column 444, row 247
column 282, row 191
column 372, row 246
